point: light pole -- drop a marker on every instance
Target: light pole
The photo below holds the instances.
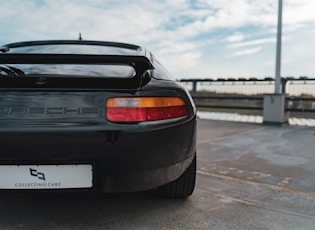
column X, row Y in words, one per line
column 274, row 111
column 278, row 87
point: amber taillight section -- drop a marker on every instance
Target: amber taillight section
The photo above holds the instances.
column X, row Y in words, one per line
column 140, row 109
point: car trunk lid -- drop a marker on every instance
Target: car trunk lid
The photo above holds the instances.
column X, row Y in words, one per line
column 47, row 99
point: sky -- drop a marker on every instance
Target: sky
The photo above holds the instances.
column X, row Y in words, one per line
column 191, row 38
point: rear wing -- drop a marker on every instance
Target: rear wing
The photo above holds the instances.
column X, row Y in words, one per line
column 138, row 62
column 141, row 64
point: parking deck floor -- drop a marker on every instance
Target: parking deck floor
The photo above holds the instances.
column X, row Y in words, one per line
column 250, row 176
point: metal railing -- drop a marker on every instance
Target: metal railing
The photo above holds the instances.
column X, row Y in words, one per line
column 230, row 102
column 246, row 95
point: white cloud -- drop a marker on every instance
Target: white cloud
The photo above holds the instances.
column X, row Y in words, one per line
column 186, row 61
column 242, row 12
column 298, row 12
column 298, row 54
column 253, row 42
column 246, row 52
column 60, row 18
column 236, row 37
column 178, row 31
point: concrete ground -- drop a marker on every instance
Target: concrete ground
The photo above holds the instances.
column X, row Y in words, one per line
column 250, row 176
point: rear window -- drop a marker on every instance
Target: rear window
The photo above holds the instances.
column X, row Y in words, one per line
column 77, row 70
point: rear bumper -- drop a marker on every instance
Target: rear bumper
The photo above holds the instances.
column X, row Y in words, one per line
column 122, row 161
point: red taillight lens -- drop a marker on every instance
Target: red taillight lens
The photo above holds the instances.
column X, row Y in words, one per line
column 138, row 109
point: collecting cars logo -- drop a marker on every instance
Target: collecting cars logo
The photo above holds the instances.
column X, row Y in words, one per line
column 39, row 175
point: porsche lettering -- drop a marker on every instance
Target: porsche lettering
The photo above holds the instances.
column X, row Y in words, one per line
column 42, row 110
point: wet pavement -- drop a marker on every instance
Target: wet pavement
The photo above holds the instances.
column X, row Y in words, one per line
column 282, row 156
column 250, row 176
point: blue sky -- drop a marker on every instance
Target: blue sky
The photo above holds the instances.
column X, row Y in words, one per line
column 193, row 39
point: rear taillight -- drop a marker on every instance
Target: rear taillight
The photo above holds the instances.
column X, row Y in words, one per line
column 138, row 109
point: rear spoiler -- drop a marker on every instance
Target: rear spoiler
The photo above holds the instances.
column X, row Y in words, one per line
column 140, row 63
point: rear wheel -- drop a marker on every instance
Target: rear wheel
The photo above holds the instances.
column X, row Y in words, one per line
column 184, row 185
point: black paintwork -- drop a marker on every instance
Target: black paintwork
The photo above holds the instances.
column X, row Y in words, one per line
column 64, row 122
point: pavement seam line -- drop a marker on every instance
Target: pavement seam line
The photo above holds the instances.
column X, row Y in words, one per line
column 232, row 135
column 256, row 204
column 270, row 186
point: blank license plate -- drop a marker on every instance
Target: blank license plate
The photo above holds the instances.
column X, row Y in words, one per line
column 46, row 176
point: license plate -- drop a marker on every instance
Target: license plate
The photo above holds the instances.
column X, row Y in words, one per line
column 46, row 176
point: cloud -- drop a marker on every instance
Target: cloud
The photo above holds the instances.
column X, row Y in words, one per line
column 253, row 42
column 246, row 52
column 59, row 18
column 238, row 13
column 186, row 61
column 236, row 37
column 182, row 33
column 298, row 12
column 298, row 54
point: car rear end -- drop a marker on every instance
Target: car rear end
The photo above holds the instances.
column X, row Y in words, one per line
column 91, row 130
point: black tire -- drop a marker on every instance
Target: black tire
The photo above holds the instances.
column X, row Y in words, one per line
column 184, row 185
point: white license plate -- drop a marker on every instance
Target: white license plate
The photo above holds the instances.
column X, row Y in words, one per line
column 45, row 176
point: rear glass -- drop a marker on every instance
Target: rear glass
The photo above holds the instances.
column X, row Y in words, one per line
column 77, row 70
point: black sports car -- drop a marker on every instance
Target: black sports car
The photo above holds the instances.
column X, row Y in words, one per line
column 93, row 116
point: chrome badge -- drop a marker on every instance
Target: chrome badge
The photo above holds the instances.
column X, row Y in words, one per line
column 41, row 81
